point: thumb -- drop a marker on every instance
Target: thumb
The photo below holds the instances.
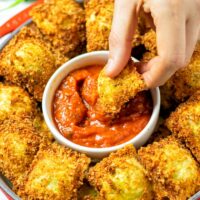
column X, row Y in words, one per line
column 157, row 72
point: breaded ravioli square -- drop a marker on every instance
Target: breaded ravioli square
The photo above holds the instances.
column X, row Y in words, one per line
column 99, row 16
column 115, row 92
column 29, row 61
column 62, row 23
column 120, row 176
column 184, row 123
column 15, row 101
column 19, row 143
column 171, row 167
column 55, row 174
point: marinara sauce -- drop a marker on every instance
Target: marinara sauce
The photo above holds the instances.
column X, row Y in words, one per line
column 78, row 119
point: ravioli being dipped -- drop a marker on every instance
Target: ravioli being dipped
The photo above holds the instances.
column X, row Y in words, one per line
column 114, row 93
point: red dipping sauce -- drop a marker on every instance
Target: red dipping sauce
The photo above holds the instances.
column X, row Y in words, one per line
column 80, row 121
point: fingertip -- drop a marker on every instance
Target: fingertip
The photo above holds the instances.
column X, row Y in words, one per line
column 110, row 68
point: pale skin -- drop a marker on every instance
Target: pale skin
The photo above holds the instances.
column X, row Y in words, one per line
column 177, row 26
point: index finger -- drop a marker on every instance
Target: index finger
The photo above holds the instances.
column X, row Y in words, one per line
column 123, row 26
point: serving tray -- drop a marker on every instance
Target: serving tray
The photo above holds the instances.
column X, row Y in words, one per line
column 6, row 192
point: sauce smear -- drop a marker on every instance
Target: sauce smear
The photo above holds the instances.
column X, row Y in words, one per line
column 78, row 119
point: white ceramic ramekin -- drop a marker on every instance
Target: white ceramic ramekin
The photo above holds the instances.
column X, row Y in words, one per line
column 93, row 58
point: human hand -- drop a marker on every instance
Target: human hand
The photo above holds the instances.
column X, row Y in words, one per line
column 177, row 24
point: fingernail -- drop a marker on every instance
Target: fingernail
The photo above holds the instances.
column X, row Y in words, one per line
column 108, row 67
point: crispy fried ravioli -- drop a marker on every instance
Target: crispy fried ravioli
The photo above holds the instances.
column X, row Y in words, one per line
column 99, row 14
column 28, row 61
column 184, row 123
column 55, row 174
column 15, row 101
column 120, row 176
column 171, row 167
column 19, row 143
column 113, row 93
column 62, row 22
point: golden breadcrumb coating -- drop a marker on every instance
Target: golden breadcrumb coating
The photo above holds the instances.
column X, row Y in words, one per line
column 185, row 81
column 149, row 41
column 15, row 101
column 55, row 174
column 41, row 126
column 113, row 93
column 19, row 142
column 62, row 22
column 171, row 167
column 184, row 123
column 99, row 14
column 120, row 176
column 28, row 61
column 147, row 56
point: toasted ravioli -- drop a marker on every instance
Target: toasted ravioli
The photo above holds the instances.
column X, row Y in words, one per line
column 121, row 177
column 114, row 93
column 28, row 61
column 171, row 167
column 99, row 14
column 55, row 174
column 184, row 123
column 62, row 22
column 19, row 142
column 15, row 101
